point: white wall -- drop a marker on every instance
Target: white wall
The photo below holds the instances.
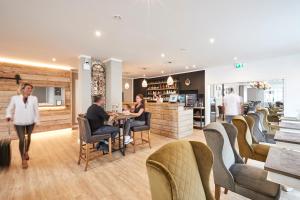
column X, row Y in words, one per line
column 128, row 93
column 286, row 67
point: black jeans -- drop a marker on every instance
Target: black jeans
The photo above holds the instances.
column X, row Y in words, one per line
column 21, row 131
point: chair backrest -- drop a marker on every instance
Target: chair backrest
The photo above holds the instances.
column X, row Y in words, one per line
column 244, row 136
column 264, row 113
column 148, row 118
column 224, row 157
column 174, row 172
column 85, row 132
column 258, row 135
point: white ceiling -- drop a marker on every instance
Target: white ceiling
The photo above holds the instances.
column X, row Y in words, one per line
column 249, row 29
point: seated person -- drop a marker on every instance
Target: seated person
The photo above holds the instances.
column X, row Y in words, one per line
column 96, row 116
column 139, row 120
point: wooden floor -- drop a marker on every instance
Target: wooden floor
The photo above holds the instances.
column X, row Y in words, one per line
column 53, row 172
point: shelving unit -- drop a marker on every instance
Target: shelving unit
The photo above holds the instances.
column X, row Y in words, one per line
column 163, row 88
column 199, row 117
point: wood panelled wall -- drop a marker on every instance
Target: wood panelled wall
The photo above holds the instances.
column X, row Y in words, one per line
column 50, row 119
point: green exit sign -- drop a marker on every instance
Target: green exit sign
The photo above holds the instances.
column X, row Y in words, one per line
column 239, row 65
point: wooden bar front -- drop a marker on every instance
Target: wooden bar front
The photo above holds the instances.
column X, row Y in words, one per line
column 170, row 119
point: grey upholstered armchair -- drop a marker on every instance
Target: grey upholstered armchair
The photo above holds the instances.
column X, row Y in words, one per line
column 229, row 169
column 258, row 134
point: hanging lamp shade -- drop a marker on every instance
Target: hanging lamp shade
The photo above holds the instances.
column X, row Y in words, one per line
column 144, row 83
column 126, row 86
column 170, row 80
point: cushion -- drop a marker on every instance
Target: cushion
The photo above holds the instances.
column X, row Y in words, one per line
column 254, row 179
column 140, row 128
column 261, row 149
column 179, row 160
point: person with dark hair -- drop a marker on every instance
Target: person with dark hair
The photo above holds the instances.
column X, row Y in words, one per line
column 139, row 120
column 96, row 116
column 23, row 111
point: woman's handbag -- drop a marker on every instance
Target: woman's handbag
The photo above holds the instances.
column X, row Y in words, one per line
column 5, row 149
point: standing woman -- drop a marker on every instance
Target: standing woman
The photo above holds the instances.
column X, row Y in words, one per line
column 23, row 111
column 138, row 111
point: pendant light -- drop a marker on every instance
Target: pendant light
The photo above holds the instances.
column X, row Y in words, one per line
column 170, row 80
column 126, row 86
column 144, row 83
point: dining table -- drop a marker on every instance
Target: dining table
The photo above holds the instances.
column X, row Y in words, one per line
column 288, row 119
column 283, row 166
column 288, row 140
column 122, row 118
column 295, row 125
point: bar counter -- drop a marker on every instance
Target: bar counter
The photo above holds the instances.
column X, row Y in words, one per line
column 170, row 119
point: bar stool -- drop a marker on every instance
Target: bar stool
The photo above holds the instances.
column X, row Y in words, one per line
column 141, row 129
column 87, row 139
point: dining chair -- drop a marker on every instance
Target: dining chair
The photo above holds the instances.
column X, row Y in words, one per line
column 257, row 134
column 230, row 172
column 180, row 171
column 87, row 141
column 267, row 127
column 142, row 129
column 245, row 142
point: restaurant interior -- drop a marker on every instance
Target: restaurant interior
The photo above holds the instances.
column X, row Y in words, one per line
column 150, row 99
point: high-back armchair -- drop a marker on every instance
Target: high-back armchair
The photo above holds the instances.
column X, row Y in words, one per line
column 229, row 169
column 257, row 134
column 180, row 171
column 247, row 148
column 264, row 118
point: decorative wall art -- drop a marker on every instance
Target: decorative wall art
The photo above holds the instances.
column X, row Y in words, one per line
column 98, row 78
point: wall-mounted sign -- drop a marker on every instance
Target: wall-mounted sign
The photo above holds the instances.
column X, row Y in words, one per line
column 238, row 65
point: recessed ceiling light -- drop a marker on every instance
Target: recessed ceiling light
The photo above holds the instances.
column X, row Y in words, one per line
column 212, row 40
column 162, row 55
column 162, row 71
column 235, row 58
column 187, row 67
column 144, row 75
column 194, row 66
column 53, row 59
column 98, row 33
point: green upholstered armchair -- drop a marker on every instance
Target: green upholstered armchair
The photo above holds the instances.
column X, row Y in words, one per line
column 229, row 169
column 180, row 171
column 246, row 147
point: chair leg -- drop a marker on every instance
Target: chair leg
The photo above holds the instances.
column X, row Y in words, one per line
column 133, row 137
column 246, row 160
column 226, row 191
column 109, row 148
column 80, row 152
column 142, row 137
column 149, row 139
column 87, row 152
column 217, row 192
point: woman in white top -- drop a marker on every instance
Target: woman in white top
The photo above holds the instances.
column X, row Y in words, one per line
column 23, row 111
